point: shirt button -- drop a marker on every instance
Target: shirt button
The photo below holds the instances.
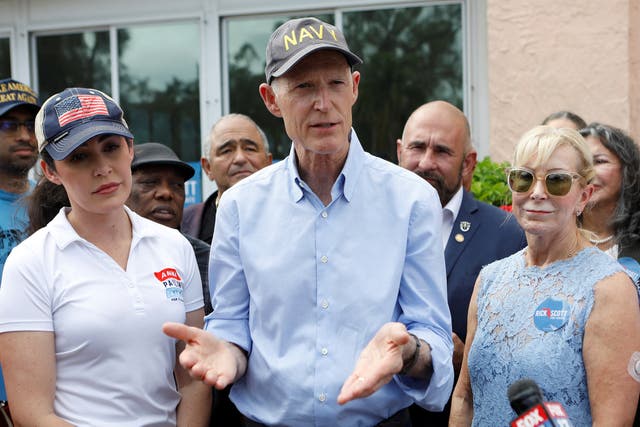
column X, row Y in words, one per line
column 324, row 351
column 324, row 304
column 322, row 397
column 324, row 214
column 324, row 259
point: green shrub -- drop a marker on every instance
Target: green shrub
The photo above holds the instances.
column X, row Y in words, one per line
column 490, row 183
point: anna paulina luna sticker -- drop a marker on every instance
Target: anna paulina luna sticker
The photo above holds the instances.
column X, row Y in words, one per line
column 552, row 314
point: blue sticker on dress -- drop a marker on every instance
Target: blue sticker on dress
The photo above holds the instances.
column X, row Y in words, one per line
column 551, row 315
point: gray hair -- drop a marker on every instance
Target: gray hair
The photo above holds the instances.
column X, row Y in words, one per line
column 207, row 145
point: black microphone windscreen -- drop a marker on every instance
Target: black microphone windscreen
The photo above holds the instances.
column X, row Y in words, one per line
column 524, row 394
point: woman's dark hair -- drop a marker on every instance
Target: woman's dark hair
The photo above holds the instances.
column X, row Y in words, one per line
column 44, row 155
column 44, row 203
column 576, row 119
column 626, row 217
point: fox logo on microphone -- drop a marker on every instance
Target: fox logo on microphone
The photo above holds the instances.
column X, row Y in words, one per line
column 554, row 415
column 525, row 397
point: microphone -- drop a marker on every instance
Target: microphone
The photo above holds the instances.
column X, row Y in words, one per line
column 525, row 397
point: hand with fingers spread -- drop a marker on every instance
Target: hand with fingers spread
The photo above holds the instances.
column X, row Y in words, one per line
column 380, row 360
column 216, row 362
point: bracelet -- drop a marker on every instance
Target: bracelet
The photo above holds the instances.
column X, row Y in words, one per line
column 406, row 367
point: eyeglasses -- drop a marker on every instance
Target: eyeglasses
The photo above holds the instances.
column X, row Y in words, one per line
column 556, row 183
column 11, row 126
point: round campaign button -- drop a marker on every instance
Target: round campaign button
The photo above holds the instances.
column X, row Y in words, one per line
column 552, row 314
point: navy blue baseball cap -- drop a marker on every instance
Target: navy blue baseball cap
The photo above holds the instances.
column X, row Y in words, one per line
column 14, row 94
column 70, row 118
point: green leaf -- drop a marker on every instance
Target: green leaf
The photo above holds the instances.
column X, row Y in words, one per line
column 490, row 182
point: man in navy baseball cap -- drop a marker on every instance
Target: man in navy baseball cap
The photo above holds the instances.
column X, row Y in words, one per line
column 75, row 115
column 14, row 94
column 18, row 154
column 298, row 38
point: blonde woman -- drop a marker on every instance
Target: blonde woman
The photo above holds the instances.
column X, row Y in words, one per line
column 560, row 312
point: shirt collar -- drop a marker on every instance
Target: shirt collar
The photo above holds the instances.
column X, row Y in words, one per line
column 454, row 204
column 347, row 179
column 64, row 234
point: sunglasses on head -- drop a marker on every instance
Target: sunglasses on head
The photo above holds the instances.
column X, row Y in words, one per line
column 13, row 125
column 557, row 183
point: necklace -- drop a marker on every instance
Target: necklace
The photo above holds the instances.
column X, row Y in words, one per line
column 574, row 250
column 599, row 241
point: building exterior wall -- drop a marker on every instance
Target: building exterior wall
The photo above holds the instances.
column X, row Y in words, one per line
column 634, row 68
column 526, row 59
column 545, row 56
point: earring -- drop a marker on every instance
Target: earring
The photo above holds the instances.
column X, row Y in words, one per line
column 578, row 212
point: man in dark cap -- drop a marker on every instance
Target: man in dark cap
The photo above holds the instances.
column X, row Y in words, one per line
column 18, row 153
column 327, row 269
column 157, row 193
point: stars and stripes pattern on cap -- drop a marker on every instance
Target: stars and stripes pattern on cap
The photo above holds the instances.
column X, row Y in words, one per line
column 79, row 107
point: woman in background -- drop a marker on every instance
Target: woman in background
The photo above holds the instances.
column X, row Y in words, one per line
column 564, row 119
column 613, row 213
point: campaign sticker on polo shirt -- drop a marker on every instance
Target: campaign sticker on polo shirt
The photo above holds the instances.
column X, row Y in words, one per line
column 172, row 283
column 551, row 315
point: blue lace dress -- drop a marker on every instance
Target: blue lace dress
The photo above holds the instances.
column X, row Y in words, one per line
column 531, row 325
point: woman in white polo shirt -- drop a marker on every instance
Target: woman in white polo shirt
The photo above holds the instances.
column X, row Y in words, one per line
column 83, row 299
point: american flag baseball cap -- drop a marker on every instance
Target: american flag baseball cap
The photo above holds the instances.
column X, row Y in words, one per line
column 70, row 118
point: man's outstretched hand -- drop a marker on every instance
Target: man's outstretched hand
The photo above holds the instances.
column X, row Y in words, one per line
column 216, row 362
column 380, row 360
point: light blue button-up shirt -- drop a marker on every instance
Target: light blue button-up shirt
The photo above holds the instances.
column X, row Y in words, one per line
column 303, row 287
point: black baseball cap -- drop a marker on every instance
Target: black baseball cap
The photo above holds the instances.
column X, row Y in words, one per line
column 298, row 38
column 154, row 153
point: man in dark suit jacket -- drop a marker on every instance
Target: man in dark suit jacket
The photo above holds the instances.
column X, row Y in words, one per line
column 436, row 144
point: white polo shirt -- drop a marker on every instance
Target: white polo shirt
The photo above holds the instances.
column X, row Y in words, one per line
column 114, row 365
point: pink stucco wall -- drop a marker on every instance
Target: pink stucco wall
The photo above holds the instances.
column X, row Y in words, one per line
column 549, row 55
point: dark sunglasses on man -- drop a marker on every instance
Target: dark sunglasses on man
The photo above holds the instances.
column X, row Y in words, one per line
column 557, row 183
column 12, row 126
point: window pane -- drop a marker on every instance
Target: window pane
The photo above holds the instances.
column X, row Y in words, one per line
column 73, row 60
column 247, row 40
column 159, row 85
column 5, row 59
column 411, row 56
